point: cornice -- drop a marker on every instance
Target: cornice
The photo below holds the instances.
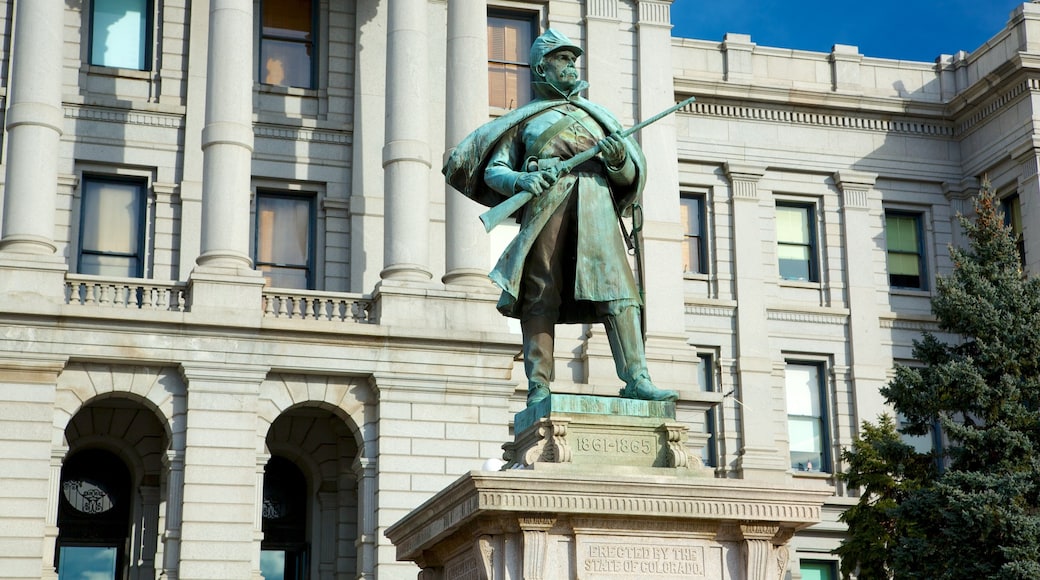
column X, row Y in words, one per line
column 819, row 117
column 306, row 134
column 807, row 317
column 124, row 116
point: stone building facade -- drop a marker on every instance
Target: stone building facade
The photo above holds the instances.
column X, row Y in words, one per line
column 245, row 327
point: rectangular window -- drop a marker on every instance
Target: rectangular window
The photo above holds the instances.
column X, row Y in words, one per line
column 818, row 570
column 705, row 378
column 510, row 35
column 796, row 241
column 906, row 266
column 287, row 43
column 693, row 220
column 284, row 246
column 806, row 417
column 120, row 33
column 1012, row 207
column 111, row 233
column 95, row 562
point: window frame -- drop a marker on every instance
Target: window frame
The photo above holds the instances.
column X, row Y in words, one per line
column 1011, row 207
column 311, row 197
column 701, row 236
column 313, row 44
column 107, row 467
column 149, row 38
column 708, row 384
column 825, row 420
column 813, row 245
column 922, row 248
column 290, row 475
column 143, row 190
column 531, row 17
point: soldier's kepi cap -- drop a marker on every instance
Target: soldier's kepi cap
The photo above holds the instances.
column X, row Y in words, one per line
column 551, row 41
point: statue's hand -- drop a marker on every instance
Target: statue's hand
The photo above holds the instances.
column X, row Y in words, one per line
column 612, row 149
column 535, row 182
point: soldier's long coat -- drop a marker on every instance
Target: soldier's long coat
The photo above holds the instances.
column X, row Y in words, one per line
column 602, row 273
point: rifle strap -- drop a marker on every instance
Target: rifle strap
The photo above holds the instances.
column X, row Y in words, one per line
column 568, row 119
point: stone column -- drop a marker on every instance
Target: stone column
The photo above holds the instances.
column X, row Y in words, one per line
column 467, row 253
column 758, row 455
column 367, row 486
column 50, row 537
column 227, row 138
column 406, row 152
column 147, row 542
column 32, row 271
column 864, row 261
column 174, row 463
column 218, row 532
column 34, row 126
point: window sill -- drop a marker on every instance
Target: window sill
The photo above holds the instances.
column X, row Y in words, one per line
column 128, row 73
column 287, row 91
column 801, row 284
column 817, row 475
column 910, row 292
column 696, row 276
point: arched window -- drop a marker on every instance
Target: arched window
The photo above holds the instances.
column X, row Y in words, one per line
column 93, row 516
column 284, row 550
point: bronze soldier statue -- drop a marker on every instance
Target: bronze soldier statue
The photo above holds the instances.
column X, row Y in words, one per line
column 568, row 263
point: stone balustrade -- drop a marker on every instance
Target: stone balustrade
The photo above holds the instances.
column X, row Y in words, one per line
column 313, row 305
column 126, row 293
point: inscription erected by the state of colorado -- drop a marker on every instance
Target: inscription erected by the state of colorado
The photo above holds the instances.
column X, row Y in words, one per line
column 603, row 560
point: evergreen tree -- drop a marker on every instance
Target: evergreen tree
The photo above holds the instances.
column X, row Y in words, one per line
column 980, row 516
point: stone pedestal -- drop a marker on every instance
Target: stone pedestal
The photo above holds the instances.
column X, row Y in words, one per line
column 597, row 489
column 585, row 433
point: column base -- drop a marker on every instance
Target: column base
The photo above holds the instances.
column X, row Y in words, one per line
column 32, row 282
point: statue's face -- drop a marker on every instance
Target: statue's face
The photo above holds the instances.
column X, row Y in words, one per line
column 560, row 70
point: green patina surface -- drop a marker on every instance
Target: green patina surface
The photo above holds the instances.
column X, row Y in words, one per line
column 592, row 405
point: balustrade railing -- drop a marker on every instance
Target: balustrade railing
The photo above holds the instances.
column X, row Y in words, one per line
column 314, row 305
column 126, row 293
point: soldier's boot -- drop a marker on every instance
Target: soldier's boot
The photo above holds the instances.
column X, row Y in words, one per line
column 626, row 344
column 539, row 340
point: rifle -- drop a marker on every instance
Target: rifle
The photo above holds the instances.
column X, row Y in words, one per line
column 500, row 212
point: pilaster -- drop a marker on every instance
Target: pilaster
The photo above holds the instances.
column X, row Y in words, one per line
column 759, row 456
column 868, row 365
column 30, row 466
column 220, row 522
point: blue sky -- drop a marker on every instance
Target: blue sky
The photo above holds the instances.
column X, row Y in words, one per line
column 918, row 30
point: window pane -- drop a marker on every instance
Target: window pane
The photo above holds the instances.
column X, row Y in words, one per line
column 119, row 34
column 792, row 225
column 509, row 74
column 795, row 262
column 287, row 43
column 901, row 233
column 286, row 64
column 288, row 18
column 284, row 230
column 272, row 564
column 110, row 217
column 87, row 563
column 805, row 420
column 817, row 570
column 803, row 389
column 692, row 216
column 285, row 277
column 705, row 383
